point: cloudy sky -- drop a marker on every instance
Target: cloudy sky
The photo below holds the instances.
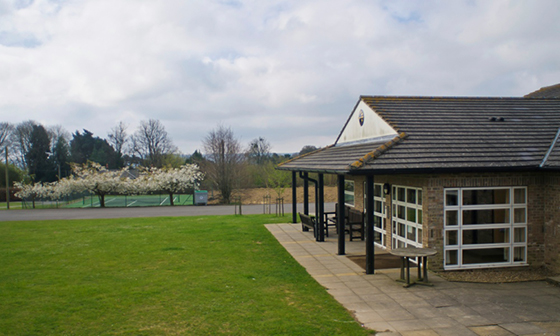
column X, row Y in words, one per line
column 287, row 70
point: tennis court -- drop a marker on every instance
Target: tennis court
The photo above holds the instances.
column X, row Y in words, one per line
column 131, row 201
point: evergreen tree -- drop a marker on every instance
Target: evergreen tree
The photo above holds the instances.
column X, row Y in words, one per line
column 37, row 158
column 85, row 147
column 60, row 158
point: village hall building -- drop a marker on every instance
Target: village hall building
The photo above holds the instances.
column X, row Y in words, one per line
column 476, row 178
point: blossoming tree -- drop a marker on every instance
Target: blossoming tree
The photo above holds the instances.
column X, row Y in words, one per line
column 30, row 191
column 98, row 180
column 174, row 180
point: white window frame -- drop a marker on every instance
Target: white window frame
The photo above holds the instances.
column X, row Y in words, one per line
column 416, row 226
column 378, row 201
column 460, row 229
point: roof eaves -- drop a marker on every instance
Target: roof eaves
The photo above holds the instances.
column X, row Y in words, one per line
column 378, row 151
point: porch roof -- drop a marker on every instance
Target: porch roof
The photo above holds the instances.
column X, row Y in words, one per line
column 448, row 134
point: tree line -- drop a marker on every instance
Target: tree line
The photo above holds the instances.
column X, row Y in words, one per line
column 45, row 154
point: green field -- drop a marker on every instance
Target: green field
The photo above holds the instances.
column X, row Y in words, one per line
column 159, row 276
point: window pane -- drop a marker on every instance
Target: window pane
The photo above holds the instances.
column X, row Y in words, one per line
column 420, row 220
column 400, row 211
column 486, row 256
column 349, row 186
column 377, row 190
column 451, row 257
column 451, row 217
column 400, row 244
column 488, row 236
column 420, row 236
column 519, row 195
column 420, row 197
column 377, row 221
column 411, row 233
column 401, row 196
column 349, row 192
column 411, row 196
column 394, row 193
column 519, row 215
column 402, row 230
column 378, row 206
column 394, row 227
column 411, row 215
column 451, row 238
column 519, row 254
column 377, row 237
column 519, row 235
column 492, row 196
column 451, row 197
column 490, row 216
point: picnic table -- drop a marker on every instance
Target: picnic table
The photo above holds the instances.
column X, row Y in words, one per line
column 414, row 252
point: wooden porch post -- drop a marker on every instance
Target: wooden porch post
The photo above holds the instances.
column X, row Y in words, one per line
column 320, row 209
column 294, row 198
column 370, row 250
column 305, row 194
column 341, row 216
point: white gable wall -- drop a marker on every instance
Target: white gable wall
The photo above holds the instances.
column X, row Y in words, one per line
column 373, row 126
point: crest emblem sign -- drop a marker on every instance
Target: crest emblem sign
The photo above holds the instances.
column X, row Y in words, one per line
column 361, row 117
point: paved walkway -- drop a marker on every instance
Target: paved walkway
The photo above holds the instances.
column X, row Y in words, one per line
column 447, row 308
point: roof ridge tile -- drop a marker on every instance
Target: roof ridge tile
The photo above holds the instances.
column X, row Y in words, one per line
column 378, row 151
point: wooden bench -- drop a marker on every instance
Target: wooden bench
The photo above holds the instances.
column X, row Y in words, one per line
column 307, row 222
column 354, row 223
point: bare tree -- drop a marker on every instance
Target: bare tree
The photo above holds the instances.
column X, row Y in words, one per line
column 118, row 137
column 259, row 151
column 225, row 160
column 21, row 142
column 5, row 133
column 55, row 133
column 152, row 143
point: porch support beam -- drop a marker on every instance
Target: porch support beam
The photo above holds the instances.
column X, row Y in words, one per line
column 294, row 197
column 341, row 218
column 306, row 194
column 370, row 250
column 320, row 208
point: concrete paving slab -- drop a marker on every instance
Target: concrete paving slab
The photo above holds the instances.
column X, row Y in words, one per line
column 408, row 325
column 493, row 330
column 448, row 308
column 523, row 328
column 553, row 326
column 455, row 331
column 419, row 333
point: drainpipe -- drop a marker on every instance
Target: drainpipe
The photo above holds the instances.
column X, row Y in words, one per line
column 306, row 178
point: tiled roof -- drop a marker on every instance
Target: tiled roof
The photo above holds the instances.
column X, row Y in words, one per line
column 450, row 133
column 552, row 91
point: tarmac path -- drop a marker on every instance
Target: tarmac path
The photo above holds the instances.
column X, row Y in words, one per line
column 135, row 212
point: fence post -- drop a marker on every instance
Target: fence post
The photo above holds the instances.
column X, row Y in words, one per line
column 280, row 206
column 236, row 204
column 266, row 204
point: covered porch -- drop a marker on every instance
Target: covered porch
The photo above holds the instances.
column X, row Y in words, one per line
column 323, row 217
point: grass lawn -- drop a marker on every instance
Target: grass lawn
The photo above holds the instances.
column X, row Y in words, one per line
column 159, row 276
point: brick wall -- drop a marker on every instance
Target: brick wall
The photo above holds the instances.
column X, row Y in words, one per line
column 551, row 202
column 543, row 208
